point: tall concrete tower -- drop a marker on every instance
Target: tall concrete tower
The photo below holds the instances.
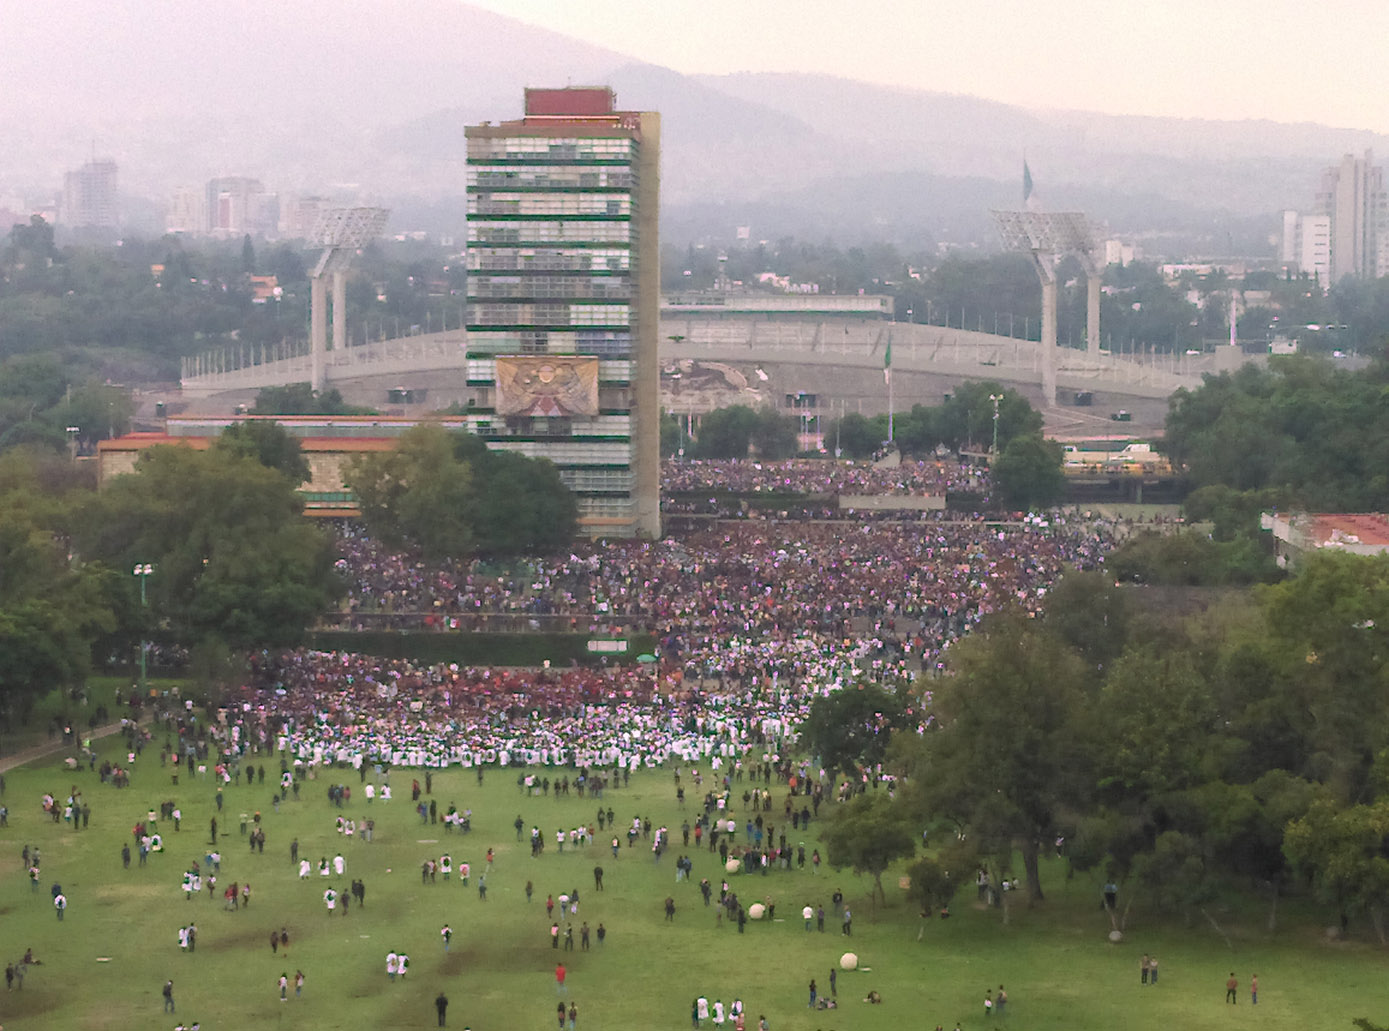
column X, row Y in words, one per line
column 564, row 298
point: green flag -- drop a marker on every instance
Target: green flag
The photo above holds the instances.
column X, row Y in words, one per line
column 887, row 362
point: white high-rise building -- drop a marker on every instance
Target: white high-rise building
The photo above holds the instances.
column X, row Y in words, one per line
column 1347, row 234
column 89, row 197
column 187, row 212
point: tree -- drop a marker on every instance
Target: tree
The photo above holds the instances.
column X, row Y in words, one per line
column 1326, row 631
column 1188, row 558
column 931, row 885
column 774, row 435
column 1006, row 758
column 672, row 435
column 858, row 436
column 269, row 444
column 967, row 417
column 417, row 493
column 301, row 399
column 1304, row 428
column 449, row 495
column 1028, row 473
column 851, row 729
column 1091, row 614
column 52, row 607
column 726, row 432
column 519, row 505
column 868, row 834
column 1344, row 852
column 731, row 432
column 233, row 558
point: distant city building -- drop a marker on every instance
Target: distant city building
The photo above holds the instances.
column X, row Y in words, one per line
column 237, row 205
column 1117, row 252
column 299, row 215
column 1347, row 232
column 564, row 297
column 187, row 212
column 89, row 197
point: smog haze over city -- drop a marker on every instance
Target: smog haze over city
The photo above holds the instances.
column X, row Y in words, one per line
column 886, row 121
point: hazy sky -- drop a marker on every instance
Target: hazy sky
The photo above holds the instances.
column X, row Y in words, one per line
column 1286, row 60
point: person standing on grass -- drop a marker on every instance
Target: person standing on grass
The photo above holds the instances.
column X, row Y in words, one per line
column 1152, row 970
column 284, row 986
column 446, row 932
column 441, row 1005
column 298, row 983
column 168, row 996
column 1000, row 1001
column 1254, row 990
column 60, row 903
column 1143, row 969
column 560, row 975
column 1232, row 989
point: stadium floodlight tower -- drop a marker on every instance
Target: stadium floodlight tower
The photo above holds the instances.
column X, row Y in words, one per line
column 1049, row 236
column 342, row 232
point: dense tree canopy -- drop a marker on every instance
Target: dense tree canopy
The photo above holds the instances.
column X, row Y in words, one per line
column 733, row 431
column 850, row 730
column 302, row 399
column 448, row 495
column 1184, row 756
column 1027, row 475
column 233, row 559
column 52, row 605
column 1313, row 433
column 267, row 443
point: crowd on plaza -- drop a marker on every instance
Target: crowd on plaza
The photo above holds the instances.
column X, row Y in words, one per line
column 753, row 620
column 821, row 476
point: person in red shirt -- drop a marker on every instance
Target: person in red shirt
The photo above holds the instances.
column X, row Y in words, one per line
column 560, row 975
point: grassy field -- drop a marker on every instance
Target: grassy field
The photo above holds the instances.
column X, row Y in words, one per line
column 104, row 964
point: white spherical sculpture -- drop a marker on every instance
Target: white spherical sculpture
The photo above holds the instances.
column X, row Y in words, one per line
column 848, row 961
column 757, row 911
column 733, row 866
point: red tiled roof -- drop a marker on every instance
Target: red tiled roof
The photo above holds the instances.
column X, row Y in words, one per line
column 1370, row 528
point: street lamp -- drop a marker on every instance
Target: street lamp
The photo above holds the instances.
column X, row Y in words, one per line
column 143, row 570
column 995, row 398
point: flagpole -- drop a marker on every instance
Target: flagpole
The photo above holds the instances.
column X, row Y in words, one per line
column 887, row 367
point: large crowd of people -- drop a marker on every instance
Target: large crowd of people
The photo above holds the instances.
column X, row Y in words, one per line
column 753, row 620
column 821, row 476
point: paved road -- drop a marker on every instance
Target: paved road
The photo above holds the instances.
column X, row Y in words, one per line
column 29, row 755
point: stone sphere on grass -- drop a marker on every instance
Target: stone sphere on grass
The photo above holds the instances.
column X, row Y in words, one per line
column 848, row 961
column 733, row 866
column 757, row 911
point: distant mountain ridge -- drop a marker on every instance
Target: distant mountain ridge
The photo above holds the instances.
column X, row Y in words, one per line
column 367, row 100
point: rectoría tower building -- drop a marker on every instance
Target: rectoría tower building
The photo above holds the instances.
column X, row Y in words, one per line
column 564, row 298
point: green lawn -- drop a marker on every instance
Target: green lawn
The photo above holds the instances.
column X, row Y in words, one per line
column 103, row 965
